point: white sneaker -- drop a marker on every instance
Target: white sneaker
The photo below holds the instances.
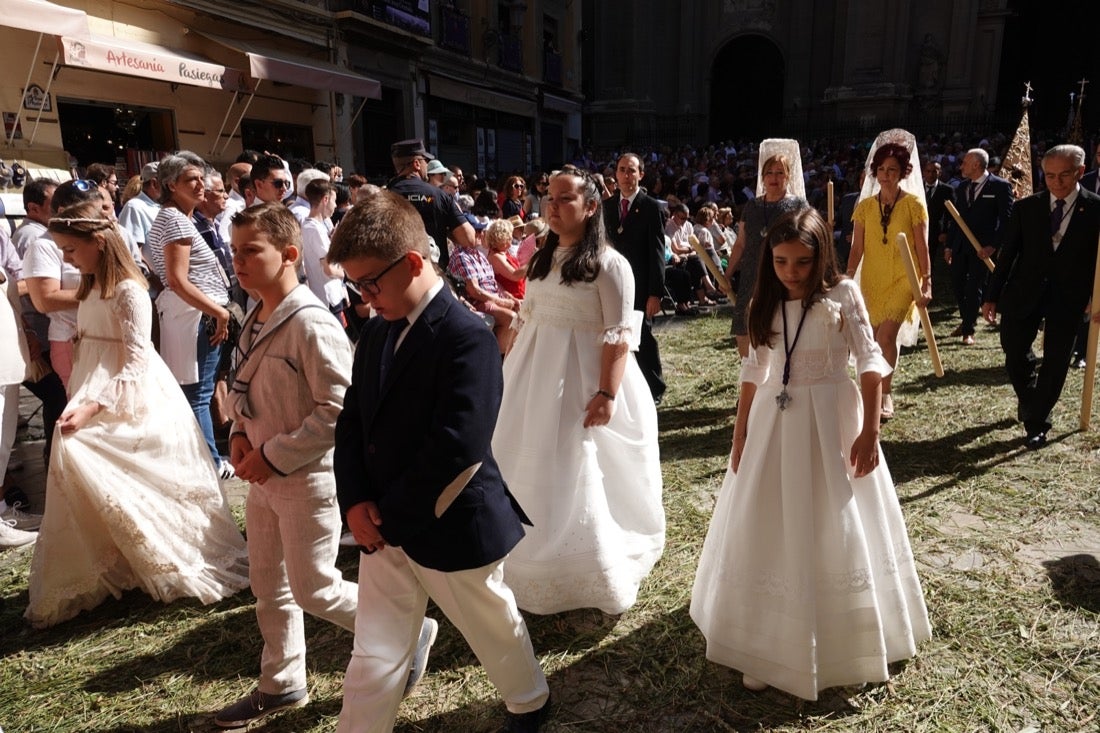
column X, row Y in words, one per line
column 15, row 517
column 12, row 537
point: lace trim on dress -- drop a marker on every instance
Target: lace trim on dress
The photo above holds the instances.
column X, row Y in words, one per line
column 618, row 335
column 133, row 312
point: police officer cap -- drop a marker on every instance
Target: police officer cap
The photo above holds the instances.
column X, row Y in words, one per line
column 410, row 149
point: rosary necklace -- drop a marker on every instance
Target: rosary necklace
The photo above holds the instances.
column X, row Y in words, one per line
column 784, row 398
column 885, row 210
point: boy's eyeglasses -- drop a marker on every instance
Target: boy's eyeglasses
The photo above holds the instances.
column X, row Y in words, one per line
column 369, row 285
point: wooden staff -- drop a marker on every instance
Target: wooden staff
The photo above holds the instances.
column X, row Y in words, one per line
column 829, row 195
column 970, row 235
column 914, row 285
column 1090, row 351
column 715, row 272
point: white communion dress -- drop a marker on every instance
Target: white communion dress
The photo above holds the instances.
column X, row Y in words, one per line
column 132, row 498
column 592, row 494
column 806, row 578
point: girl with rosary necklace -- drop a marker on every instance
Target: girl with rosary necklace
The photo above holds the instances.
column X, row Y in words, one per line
column 892, row 202
column 806, row 579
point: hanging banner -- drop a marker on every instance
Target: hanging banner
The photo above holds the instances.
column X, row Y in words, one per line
column 135, row 58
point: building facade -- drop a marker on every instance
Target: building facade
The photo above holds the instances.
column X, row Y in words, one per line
column 484, row 83
column 689, row 72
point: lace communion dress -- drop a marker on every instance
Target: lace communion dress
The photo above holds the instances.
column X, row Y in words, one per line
column 806, row 578
column 592, row 494
column 132, row 498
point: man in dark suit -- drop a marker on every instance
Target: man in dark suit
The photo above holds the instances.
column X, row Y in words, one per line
column 936, row 195
column 416, row 478
column 1091, row 180
column 984, row 202
column 633, row 221
column 1044, row 273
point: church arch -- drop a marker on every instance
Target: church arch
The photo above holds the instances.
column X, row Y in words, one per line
column 746, row 89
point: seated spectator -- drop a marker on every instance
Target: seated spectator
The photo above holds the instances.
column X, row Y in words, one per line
column 680, row 230
column 704, row 219
column 472, row 268
column 511, row 277
column 678, row 282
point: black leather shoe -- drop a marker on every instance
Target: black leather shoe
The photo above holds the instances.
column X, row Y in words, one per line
column 527, row 722
column 1035, row 441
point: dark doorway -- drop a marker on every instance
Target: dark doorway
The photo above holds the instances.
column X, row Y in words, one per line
column 746, row 90
column 123, row 135
column 382, row 124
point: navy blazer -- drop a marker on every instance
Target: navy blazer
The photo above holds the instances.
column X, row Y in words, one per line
column 1030, row 272
column 938, row 218
column 987, row 217
column 400, row 444
column 642, row 242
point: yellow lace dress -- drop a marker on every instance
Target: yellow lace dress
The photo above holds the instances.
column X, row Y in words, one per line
column 883, row 281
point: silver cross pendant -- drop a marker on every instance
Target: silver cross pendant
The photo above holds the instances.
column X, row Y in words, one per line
column 783, row 399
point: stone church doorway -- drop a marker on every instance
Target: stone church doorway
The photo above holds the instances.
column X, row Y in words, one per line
column 746, row 90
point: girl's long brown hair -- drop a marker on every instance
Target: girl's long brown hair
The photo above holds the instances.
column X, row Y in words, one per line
column 806, row 227
column 86, row 221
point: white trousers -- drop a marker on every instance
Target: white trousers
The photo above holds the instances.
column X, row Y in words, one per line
column 293, row 539
column 393, row 595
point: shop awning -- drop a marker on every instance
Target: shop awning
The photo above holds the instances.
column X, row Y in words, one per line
column 147, row 60
column 300, row 71
column 40, row 16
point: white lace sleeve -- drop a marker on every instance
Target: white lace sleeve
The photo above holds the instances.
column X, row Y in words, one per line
column 121, row 394
column 615, row 284
column 857, row 329
column 755, row 367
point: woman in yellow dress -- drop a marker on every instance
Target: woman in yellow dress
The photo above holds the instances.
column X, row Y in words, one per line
column 890, row 205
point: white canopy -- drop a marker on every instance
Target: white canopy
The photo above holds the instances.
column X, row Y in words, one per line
column 40, row 16
column 148, row 60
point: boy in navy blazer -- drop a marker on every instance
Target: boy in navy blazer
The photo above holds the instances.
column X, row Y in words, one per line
column 416, row 478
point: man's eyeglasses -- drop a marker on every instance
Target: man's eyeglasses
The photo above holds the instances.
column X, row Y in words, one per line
column 280, row 183
column 369, row 285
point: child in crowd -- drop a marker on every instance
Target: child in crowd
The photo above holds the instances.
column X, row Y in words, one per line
column 806, row 579
column 416, row 478
column 292, row 367
column 470, row 266
column 325, row 280
column 132, row 499
column 577, row 435
column 511, row 278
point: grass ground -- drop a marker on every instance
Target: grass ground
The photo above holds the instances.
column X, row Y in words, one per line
column 1007, row 543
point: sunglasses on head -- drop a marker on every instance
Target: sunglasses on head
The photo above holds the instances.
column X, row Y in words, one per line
column 84, row 185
